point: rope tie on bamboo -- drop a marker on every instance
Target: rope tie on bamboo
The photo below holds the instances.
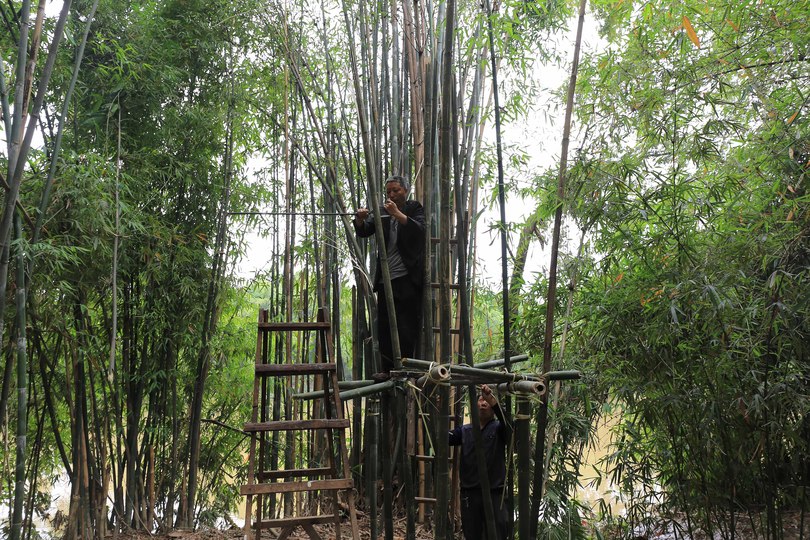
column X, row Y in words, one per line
column 429, row 377
column 437, row 374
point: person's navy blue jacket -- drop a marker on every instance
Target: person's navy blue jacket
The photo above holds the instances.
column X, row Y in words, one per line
column 494, row 438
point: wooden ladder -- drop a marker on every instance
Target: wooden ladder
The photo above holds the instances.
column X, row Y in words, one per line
column 335, row 476
column 425, row 458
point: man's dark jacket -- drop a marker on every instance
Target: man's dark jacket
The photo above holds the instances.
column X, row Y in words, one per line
column 494, row 440
column 410, row 241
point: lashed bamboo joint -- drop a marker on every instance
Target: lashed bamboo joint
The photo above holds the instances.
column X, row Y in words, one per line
column 454, row 375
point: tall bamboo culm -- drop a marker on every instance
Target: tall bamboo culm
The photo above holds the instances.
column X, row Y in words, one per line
column 542, row 410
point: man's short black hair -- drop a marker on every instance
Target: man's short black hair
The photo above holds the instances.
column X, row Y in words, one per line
column 401, row 180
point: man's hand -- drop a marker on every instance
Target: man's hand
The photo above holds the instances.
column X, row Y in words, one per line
column 486, row 393
column 360, row 215
column 394, row 211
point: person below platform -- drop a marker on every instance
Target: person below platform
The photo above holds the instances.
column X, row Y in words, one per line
column 495, row 435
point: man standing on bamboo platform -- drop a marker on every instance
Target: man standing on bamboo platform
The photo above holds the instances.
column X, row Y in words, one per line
column 403, row 223
column 495, row 435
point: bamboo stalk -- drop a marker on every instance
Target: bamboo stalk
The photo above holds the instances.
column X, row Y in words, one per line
column 504, row 243
column 542, row 410
column 354, row 393
column 210, row 317
column 19, row 145
column 498, row 362
column 14, row 151
column 387, row 464
column 405, row 466
column 372, row 460
column 46, row 191
column 371, row 164
column 22, row 390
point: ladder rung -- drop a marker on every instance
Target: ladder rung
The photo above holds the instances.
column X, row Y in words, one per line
column 293, row 521
column 423, row 458
column 287, row 326
column 425, row 500
column 282, row 370
column 289, row 487
column 436, row 240
column 292, row 473
column 297, row 425
column 453, row 286
column 456, row 331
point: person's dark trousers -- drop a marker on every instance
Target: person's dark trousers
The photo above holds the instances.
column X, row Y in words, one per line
column 408, row 307
column 473, row 517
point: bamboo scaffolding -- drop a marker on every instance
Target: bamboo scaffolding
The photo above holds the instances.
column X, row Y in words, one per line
column 443, row 375
column 471, row 371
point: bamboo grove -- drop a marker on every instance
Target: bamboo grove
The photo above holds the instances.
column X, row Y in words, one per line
column 147, row 141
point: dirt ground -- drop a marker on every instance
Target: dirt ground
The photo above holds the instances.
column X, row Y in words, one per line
column 327, row 532
column 745, row 530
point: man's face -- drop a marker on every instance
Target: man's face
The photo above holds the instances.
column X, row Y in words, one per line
column 396, row 193
column 485, row 412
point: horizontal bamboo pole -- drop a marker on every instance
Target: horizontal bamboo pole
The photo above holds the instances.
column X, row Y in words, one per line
column 349, row 394
column 517, row 387
column 564, row 375
column 354, row 384
column 492, row 376
column 523, row 387
column 498, row 362
column 348, row 385
column 367, row 390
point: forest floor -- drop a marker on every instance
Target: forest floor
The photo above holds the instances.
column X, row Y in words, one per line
column 744, row 530
column 327, row 532
column 746, row 527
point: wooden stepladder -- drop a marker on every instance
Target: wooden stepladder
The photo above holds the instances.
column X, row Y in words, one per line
column 332, row 476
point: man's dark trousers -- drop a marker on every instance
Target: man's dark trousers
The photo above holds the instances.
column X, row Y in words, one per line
column 473, row 517
column 408, row 308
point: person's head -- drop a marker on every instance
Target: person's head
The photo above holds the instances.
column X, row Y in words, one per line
column 485, row 411
column 396, row 189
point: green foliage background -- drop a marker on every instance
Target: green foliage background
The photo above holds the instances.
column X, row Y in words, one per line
column 690, row 310
column 687, row 310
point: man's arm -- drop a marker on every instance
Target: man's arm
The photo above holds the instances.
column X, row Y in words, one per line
column 504, row 429
column 363, row 226
column 415, row 213
column 454, row 436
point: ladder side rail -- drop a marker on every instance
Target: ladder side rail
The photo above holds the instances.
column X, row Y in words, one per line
column 338, row 414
